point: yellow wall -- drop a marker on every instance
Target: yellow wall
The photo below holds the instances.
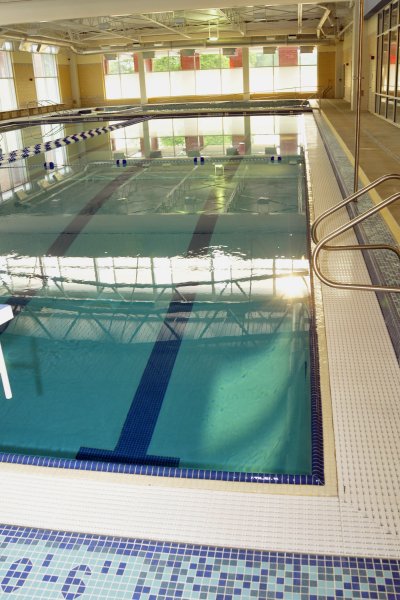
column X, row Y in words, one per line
column 24, row 78
column 347, row 61
column 64, row 79
column 91, row 80
column 65, row 85
column 370, row 60
column 326, row 71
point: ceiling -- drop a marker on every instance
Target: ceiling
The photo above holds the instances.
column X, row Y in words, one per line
column 239, row 25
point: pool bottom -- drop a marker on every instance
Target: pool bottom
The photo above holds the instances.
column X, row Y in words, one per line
column 315, row 478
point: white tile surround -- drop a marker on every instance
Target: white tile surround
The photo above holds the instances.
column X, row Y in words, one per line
column 363, row 519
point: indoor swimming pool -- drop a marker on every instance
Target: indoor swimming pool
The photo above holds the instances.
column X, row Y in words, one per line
column 160, row 283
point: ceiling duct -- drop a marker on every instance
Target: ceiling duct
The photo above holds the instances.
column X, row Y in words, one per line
column 27, row 46
column 188, row 52
column 229, row 51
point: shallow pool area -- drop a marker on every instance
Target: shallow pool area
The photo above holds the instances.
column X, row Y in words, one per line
column 162, row 311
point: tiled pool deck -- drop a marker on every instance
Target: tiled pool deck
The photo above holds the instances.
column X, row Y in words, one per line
column 362, row 519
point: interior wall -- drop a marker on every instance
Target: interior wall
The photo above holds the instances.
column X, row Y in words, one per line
column 368, row 64
column 326, row 70
column 91, row 82
column 24, row 78
column 347, row 62
column 64, row 78
column 370, row 60
column 90, row 74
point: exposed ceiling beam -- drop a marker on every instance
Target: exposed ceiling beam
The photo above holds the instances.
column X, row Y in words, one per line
column 28, row 11
column 161, row 24
column 234, row 18
column 299, row 17
column 322, row 20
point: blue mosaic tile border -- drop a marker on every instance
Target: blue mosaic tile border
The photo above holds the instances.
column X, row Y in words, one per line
column 54, row 564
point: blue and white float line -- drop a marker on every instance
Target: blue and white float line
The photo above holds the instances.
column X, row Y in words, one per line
column 15, row 155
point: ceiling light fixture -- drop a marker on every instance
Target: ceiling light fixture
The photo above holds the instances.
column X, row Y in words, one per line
column 213, row 32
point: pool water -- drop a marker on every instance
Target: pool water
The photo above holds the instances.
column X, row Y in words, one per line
column 161, row 312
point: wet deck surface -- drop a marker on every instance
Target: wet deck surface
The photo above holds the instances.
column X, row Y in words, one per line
column 379, row 144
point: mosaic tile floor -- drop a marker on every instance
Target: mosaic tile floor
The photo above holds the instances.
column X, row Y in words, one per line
column 53, row 564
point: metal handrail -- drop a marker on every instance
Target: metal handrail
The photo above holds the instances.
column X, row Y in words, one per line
column 347, row 200
column 322, row 244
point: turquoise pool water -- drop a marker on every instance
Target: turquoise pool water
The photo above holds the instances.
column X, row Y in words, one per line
column 161, row 312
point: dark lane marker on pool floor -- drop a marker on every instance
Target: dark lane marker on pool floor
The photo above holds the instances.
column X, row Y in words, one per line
column 142, row 417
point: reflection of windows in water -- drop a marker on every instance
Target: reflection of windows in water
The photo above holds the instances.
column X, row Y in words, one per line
column 16, row 174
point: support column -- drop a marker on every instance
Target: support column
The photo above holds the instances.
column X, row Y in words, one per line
column 355, row 55
column 74, row 78
column 247, row 134
column 146, row 139
column 142, row 78
column 246, row 73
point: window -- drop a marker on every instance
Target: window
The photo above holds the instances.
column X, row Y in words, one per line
column 46, row 77
column 194, row 72
column 127, row 140
column 282, row 70
column 388, row 64
column 8, row 99
column 121, row 76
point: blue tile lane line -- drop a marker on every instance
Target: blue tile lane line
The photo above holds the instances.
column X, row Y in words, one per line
column 143, row 414
column 79, row 222
column 54, row 564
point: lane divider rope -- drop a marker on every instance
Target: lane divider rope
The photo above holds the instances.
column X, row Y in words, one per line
column 11, row 157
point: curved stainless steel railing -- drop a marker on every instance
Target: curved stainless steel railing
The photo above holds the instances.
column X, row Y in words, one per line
column 323, row 243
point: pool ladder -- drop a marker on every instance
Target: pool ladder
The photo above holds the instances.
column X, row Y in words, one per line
column 323, row 243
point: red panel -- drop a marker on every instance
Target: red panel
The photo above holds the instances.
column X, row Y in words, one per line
column 190, row 63
column 393, row 50
column 236, row 61
column 288, row 145
column 192, row 142
column 287, row 56
column 238, row 141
